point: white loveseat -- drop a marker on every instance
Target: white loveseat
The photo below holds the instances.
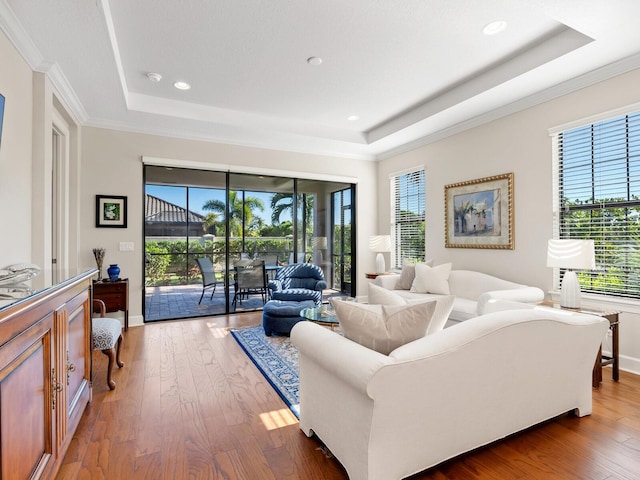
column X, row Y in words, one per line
column 388, row 417
column 472, row 291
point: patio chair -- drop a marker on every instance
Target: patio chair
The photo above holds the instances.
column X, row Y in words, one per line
column 251, row 279
column 208, row 276
column 269, row 259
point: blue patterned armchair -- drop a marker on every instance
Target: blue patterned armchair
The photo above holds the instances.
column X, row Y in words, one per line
column 298, row 282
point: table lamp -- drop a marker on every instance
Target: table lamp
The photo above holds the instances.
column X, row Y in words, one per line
column 380, row 244
column 571, row 254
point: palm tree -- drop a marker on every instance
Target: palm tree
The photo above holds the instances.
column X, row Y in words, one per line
column 282, row 202
column 240, row 211
column 461, row 212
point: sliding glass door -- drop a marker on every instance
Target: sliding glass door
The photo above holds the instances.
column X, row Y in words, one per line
column 230, row 219
column 343, row 236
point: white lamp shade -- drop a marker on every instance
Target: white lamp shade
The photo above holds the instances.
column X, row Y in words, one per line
column 570, row 253
column 380, row 243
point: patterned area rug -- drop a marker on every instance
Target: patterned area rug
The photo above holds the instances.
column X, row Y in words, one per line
column 276, row 358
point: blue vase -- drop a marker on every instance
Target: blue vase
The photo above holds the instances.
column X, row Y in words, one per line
column 114, row 272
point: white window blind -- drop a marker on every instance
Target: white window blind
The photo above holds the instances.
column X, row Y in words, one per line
column 597, row 189
column 408, row 219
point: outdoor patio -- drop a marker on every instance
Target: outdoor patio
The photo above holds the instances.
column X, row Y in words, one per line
column 181, row 301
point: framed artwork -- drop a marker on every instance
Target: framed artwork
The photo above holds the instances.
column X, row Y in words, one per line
column 479, row 213
column 111, row 211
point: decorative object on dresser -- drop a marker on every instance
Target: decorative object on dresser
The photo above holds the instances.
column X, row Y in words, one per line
column 479, row 213
column 115, row 295
column 17, row 273
column 571, row 254
column 380, row 244
column 111, row 211
column 98, row 254
column 114, row 272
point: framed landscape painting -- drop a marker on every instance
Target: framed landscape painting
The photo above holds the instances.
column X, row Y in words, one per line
column 479, row 213
column 111, row 211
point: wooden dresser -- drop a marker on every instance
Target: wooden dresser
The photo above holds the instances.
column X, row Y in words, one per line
column 45, row 369
column 115, row 296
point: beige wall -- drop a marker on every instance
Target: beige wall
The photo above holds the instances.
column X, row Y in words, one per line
column 15, row 157
column 519, row 143
column 112, row 165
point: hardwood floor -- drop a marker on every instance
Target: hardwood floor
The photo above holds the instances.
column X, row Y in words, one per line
column 189, row 404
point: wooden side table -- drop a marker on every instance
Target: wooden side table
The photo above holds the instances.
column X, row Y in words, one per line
column 115, row 296
column 373, row 276
column 601, row 360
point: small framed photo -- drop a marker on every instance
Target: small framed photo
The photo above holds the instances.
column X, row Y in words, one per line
column 111, row 211
column 479, row 213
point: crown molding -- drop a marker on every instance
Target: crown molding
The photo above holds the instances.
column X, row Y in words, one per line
column 12, row 28
column 64, row 91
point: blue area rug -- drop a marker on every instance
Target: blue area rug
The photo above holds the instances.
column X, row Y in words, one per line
column 276, row 358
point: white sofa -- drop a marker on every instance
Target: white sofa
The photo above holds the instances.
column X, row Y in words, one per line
column 472, row 291
column 388, row 417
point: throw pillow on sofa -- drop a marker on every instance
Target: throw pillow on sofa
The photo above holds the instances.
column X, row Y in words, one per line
column 384, row 328
column 408, row 274
column 432, row 279
column 381, row 296
column 444, row 304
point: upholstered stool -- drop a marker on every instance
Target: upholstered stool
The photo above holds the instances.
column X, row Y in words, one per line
column 106, row 333
column 279, row 316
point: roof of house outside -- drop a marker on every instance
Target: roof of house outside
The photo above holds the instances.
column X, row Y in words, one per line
column 161, row 211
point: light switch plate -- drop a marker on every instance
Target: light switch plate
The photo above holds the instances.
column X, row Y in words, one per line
column 126, row 246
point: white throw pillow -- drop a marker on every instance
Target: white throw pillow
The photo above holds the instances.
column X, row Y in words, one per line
column 384, row 328
column 408, row 274
column 432, row 279
column 381, row 296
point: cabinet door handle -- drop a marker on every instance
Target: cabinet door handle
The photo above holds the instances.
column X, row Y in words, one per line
column 71, row 367
column 55, row 388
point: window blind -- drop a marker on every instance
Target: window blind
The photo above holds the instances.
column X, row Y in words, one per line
column 597, row 189
column 408, row 217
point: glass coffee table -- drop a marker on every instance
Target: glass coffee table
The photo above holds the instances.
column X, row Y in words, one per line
column 324, row 315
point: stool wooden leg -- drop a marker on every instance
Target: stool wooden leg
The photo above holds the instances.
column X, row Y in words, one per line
column 111, row 356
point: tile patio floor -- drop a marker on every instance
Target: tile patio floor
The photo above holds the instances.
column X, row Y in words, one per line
column 181, row 301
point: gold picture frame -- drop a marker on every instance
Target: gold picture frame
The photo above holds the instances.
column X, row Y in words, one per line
column 479, row 213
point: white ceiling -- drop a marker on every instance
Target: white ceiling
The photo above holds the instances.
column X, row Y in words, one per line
column 411, row 70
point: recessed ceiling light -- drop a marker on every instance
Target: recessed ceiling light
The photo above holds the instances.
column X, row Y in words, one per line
column 314, row 61
column 353, row 118
column 154, row 77
column 494, row 27
column 182, row 85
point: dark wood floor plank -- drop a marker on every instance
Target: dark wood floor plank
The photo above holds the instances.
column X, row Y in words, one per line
column 190, row 404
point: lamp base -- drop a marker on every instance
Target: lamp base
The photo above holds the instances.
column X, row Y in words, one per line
column 380, row 267
column 570, row 291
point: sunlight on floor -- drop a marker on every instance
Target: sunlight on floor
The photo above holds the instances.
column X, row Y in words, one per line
column 278, row 419
column 216, row 331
